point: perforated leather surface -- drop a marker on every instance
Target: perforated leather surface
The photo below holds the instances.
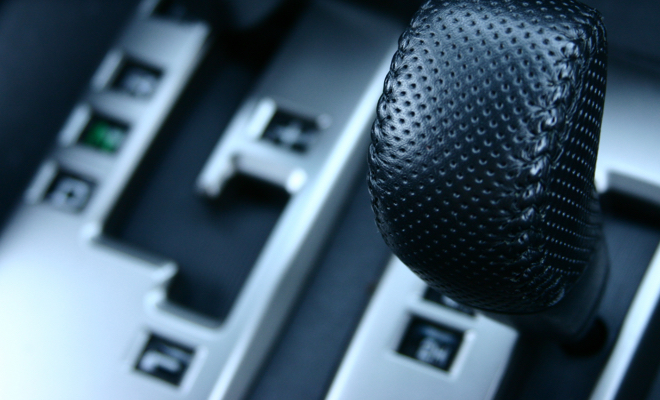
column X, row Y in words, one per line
column 483, row 151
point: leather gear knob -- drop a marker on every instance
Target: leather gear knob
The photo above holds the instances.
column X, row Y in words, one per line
column 481, row 167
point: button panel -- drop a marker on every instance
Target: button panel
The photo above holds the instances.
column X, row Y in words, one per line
column 109, row 135
column 411, row 334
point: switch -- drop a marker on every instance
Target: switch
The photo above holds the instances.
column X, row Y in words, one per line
column 103, row 134
column 165, row 359
column 430, row 343
column 69, row 192
column 291, row 131
column 136, row 79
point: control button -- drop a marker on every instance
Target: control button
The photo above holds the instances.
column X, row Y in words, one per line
column 136, row 80
column 291, row 131
column 103, row 134
column 165, row 359
column 430, row 343
column 439, row 298
column 69, row 192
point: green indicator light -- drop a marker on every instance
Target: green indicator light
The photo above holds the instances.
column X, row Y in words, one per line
column 104, row 135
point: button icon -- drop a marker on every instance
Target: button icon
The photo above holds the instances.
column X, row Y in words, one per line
column 430, row 343
column 137, row 80
column 165, row 359
column 69, row 192
column 292, row 131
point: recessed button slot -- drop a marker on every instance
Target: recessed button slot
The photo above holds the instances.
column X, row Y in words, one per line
column 439, row 298
column 430, row 343
column 292, row 131
column 103, row 134
column 165, row 359
column 215, row 242
column 69, row 192
column 136, row 79
column 245, row 214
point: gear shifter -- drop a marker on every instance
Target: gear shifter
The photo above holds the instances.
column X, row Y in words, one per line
column 481, row 167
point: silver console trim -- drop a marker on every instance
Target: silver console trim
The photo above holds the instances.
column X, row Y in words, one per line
column 317, row 180
column 628, row 162
column 372, row 368
column 114, row 296
column 631, row 333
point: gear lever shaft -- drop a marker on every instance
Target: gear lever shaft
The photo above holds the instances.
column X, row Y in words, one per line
column 481, row 167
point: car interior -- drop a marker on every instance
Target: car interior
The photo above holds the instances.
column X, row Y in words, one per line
column 185, row 213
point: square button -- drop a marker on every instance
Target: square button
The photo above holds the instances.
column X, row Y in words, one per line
column 430, row 343
column 103, row 134
column 69, row 192
column 291, row 131
column 165, row 359
column 136, row 80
